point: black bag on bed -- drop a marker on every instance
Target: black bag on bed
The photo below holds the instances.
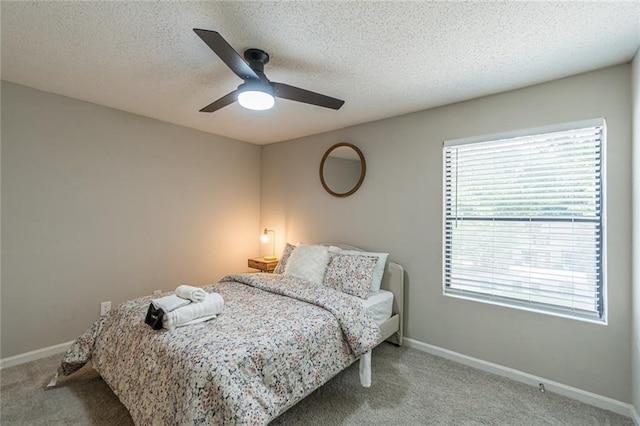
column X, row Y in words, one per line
column 154, row 317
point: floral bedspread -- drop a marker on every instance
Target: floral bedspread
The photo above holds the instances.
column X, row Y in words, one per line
column 278, row 339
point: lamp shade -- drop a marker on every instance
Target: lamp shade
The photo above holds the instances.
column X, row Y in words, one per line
column 256, row 96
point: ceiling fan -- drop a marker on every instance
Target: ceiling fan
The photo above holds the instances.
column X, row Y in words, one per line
column 257, row 92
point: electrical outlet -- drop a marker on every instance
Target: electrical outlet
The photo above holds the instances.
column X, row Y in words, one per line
column 105, row 307
column 155, row 292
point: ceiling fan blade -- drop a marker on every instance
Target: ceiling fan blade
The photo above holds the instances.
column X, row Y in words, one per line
column 228, row 55
column 227, row 99
column 301, row 95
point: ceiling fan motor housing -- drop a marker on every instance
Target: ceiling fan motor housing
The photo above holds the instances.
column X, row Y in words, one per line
column 257, row 59
column 257, row 85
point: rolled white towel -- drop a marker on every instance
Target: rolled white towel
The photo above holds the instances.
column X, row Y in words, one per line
column 169, row 303
column 212, row 305
column 195, row 294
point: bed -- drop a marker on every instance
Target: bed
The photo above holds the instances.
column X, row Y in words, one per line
column 278, row 340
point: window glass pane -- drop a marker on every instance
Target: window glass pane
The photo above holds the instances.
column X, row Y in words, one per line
column 523, row 221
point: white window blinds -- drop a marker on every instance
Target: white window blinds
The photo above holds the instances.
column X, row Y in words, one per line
column 523, row 220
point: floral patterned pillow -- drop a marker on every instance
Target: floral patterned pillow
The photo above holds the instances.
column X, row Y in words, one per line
column 350, row 274
column 286, row 254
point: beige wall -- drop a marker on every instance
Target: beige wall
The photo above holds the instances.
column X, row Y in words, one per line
column 100, row 204
column 635, row 337
column 398, row 209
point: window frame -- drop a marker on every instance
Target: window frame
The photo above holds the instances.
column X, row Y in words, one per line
column 513, row 303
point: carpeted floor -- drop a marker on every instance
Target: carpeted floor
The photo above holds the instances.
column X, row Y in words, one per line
column 409, row 388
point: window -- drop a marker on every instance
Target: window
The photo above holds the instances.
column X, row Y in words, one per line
column 523, row 219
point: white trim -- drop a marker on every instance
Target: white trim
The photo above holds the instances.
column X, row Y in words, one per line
column 34, row 355
column 461, row 294
column 529, row 379
column 541, row 130
column 635, row 416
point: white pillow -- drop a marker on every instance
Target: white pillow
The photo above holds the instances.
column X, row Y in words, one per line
column 378, row 271
column 308, row 262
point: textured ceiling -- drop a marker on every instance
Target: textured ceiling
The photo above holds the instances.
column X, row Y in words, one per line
column 382, row 58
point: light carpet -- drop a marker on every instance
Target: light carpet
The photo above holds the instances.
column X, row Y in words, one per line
column 409, row 388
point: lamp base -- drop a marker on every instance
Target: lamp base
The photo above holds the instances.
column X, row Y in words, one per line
column 269, row 257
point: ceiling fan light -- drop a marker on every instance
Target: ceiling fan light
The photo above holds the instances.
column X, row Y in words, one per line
column 256, row 98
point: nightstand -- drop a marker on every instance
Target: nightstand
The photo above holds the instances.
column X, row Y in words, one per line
column 262, row 264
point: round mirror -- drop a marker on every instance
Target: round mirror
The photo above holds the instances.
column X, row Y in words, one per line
column 342, row 169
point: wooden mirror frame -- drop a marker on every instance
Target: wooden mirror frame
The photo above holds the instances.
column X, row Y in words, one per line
column 363, row 169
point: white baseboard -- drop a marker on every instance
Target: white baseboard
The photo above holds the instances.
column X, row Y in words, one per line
column 635, row 416
column 34, row 355
column 529, row 379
